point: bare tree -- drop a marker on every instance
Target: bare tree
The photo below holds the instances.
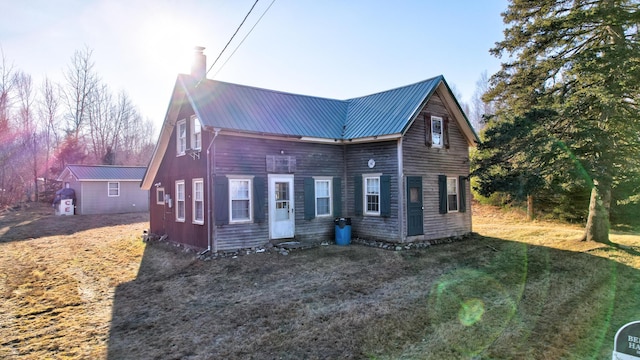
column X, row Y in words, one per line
column 50, row 123
column 480, row 109
column 27, row 131
column 7, row 82
column 81, row 82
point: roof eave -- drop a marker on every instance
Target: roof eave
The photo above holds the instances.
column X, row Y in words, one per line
column 177, row 97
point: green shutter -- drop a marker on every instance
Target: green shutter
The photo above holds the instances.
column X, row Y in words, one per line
column 337, row 197
column 221, row 200
column 385, row 195
column 445, row 131
column 442, row 191
column 462, row 193
column 258, row 199
column 427, row 129
column 309, row 198
column 357, row 194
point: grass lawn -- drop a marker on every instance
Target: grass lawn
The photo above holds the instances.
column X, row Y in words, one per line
column 87, row 287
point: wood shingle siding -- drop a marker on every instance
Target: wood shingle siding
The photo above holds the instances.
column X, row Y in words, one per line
column 386, row 226
column 262, row 142
column 429, row 163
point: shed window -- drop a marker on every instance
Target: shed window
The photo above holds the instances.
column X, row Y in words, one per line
column 181, row 137
column 180, row 210
column 160, row 195
column 372, row 195
column 240, row 200
column 113, row 189
column 196, row 133
column 452, row 194
column 323, row 197
column 198, row 201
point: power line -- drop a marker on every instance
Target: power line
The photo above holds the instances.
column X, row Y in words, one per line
column 232, row 36
column 243, row 39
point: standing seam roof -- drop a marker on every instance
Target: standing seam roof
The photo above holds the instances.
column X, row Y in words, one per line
column 245, row 108
column 107, row 172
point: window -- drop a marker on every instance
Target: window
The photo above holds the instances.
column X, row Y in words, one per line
column 180, row 201
column 323, row 197
column 198, row 201
column 181, row 137
column 372, row 195
column 436, row 131
column 240, row 200
column 452, row 194
column 160, row 195
column 113, row 189
column 196, row 133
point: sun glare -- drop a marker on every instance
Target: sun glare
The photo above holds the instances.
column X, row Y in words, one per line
column 166, row 43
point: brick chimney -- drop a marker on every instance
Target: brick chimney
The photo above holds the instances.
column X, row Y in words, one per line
column 199, row 65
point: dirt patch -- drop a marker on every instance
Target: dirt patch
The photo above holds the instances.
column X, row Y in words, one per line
column 87, row 287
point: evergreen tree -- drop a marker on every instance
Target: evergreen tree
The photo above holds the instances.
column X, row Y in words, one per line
column 580, row 59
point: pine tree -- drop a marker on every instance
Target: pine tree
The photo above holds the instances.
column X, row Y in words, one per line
column 580, row 59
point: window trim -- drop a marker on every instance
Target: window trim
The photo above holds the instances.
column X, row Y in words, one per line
column 194, row 198
column 453, row 179
column 365, row 210
column 109, row 188
column 433, row 121
column 178, row 200
column 193, row 133
column 329, row 181
column 160, row 200
column 249, row 180
column 181, row 152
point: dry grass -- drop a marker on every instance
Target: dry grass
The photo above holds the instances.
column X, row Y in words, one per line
column 520, row 291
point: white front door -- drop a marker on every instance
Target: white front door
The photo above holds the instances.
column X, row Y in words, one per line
column 282, row 217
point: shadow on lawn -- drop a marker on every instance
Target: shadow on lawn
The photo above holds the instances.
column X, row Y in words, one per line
column 20, row 225
column 482, row 298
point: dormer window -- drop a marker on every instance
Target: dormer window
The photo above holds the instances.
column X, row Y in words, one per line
column 196, row 133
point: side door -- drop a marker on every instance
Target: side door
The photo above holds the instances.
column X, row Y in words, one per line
column 415, row 209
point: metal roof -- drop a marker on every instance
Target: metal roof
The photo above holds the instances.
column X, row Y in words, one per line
column 245, row 108
column 387, row 112
column 105, row 172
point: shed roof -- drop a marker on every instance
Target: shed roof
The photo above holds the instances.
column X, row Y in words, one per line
column 104, row 172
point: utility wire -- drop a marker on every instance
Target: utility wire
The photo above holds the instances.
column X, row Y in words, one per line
column 243, row 39
column 232, row 36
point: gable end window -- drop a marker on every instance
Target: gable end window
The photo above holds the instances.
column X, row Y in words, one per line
column 436, row 131
column 196, row 133
column 181, row 137
column 160, row 195
column 180, row 210
column 113, row 189
column 198, row 201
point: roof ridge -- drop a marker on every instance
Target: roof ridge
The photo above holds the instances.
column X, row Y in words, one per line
column 281, row 92
column 440, row 77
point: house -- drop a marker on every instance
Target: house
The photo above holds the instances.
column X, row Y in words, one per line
column 237, row 166
column 106, row 189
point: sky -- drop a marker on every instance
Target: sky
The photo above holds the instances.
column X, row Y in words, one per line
column 337, row 49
